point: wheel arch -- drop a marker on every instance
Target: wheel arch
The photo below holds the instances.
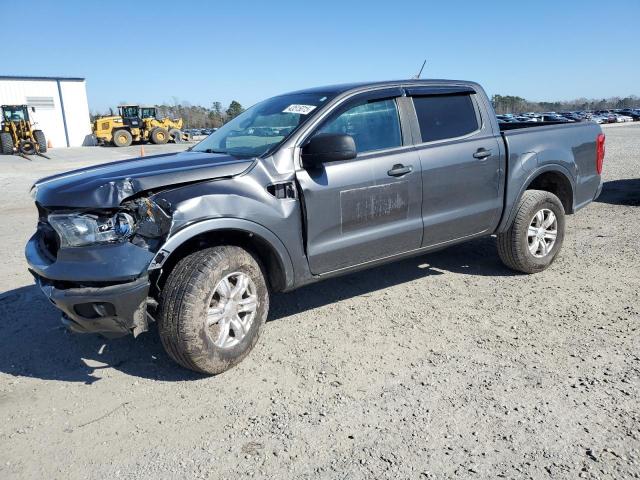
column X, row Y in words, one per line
column 551, row 178
column 556, row 182
column 253, row 237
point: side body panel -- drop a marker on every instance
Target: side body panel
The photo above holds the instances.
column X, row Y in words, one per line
column 567, row 149
column 240, row 203
column 356, row 212
column 462, row 195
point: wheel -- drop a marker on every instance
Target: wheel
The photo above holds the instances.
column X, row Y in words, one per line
column 6, row 143
column 122, row 138
column 212, row 309
column 27, row 147
column 38, row 136
column 536, row 234
column 159, row 136
column 176, row 135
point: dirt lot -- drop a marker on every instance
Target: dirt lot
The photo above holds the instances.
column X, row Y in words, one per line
column 447, row 365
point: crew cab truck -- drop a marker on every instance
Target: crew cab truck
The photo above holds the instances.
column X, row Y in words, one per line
column 299, row 188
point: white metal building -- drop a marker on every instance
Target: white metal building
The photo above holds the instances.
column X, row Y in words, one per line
column 61, row 107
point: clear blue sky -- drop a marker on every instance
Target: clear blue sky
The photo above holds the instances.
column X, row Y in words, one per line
column 151, row 52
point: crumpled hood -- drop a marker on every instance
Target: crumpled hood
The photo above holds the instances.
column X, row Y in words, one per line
column 106, row 186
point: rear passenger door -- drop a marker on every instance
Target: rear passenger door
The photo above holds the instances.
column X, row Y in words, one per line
column 461, row 168
column 368, row 207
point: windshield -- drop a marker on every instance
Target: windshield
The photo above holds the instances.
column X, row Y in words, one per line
column 263, row 126
column 15, row 114
column 129, row 112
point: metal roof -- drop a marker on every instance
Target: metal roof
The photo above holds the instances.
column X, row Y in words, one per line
column 21, row 77
column 345, row 87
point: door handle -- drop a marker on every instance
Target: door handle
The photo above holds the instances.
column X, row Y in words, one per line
column 482, row 153
column 398, row 170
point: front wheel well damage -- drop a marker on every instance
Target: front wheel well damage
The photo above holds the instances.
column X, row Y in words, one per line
column 557, row 183
column 254, row 244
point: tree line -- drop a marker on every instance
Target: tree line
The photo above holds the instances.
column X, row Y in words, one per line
column 514, row 104
column 194, row 116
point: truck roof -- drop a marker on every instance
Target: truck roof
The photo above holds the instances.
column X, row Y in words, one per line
column 346, row 87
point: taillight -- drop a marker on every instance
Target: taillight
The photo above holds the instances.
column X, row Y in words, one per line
column 599, row 153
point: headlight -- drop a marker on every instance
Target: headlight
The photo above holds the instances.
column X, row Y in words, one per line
column 76, row 230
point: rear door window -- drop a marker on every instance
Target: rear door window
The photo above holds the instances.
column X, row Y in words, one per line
column 445, row 116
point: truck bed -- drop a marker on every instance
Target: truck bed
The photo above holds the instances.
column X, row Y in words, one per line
column 567, row 147
column 518, row 125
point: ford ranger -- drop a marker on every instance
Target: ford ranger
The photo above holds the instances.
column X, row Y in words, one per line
column 299, row 188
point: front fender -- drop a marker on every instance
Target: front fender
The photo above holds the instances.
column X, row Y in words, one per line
column 227, row 223
column 513, row 200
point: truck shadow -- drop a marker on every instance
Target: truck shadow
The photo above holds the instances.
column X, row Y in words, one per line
column 33, row 343
column 477, row 257
column 621, row 192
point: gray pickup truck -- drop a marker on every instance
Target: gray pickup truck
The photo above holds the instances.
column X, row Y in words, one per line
column 299, row 188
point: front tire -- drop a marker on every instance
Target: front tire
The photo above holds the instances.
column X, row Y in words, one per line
column 6, row 143
column 535, row 237
column 212, row 309
column 41, row 140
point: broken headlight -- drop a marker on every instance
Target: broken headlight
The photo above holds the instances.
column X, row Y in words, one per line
column 76, row 230
column 141, row 221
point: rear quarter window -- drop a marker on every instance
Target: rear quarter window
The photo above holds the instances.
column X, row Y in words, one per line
column 445, row 116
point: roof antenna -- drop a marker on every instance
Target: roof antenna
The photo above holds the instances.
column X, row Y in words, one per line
column 417, row 76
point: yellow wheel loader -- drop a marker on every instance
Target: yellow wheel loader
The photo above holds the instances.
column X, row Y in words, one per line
column 137, row 124
column 17, row 134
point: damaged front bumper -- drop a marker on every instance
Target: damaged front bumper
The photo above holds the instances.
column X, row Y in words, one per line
column 99, row 289
column 114, row 310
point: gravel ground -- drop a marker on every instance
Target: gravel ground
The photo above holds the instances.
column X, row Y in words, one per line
column 446, row 365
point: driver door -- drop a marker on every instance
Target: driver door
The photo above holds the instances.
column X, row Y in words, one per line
column 369, row 207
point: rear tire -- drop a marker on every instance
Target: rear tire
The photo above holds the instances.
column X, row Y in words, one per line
column 194, row 309
column 6, row 143
column 176, row 135
column 122, row 138
column 535, row 237
column 159, row 136
column 38, row 136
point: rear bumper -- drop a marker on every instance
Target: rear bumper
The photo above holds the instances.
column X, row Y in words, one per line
column 598, row 191
column 114, row 310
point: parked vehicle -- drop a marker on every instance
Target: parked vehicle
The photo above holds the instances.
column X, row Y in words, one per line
column 574, row 117
column 365, row 174
column 554, row 117
column 608, row 116
column 140, row 124
column 622, row 118
column 17, row 134
column 629, row 112
column 522, row 118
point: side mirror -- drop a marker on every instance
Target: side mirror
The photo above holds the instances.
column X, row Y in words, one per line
column 328, row 147
column 33, row 109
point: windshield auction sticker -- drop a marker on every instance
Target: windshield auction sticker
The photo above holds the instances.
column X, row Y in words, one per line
column 301, row 109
